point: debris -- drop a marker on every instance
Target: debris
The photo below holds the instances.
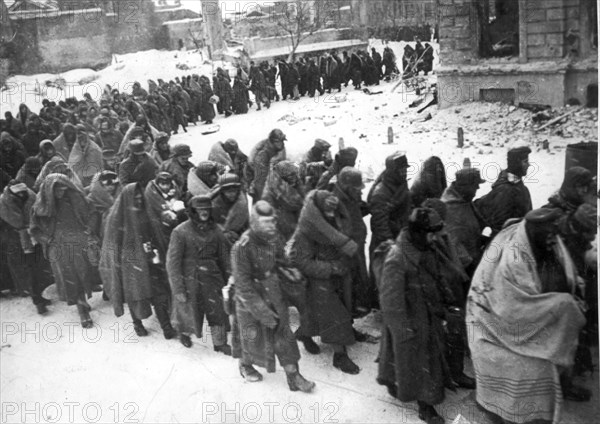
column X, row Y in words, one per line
column 466, row 163
column 371, row 93
column 328, row 123
column 461, row 138
column 433, row 101
column 545, row 145
column 87, row 79
column 423, row 119
column 558, row 119
column 362, row 136
column 541, row 117
column 182, row 66
column 534, row 107
column 416, row 102
column 211, row 129
column 390, row 135
column 58, row 82
column 341, row 143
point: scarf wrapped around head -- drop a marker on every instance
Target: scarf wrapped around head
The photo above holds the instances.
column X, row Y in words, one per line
column 45, row 203
column 12, row 210
column 99, row 197
column 286, row 196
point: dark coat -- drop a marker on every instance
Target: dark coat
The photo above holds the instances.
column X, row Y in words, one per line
column 232, row 218
column 126, row 270
column 390, row 205
column 131, row 171
column 240, row 97
column 508, row 199
column 411, row 351
column 198, row 266
column 463, row 224
column 314, row 249
column 257, row 296
column 430, row 183
column 287, row 201
column 262, row 157
column 179, row 173
column 61, row 227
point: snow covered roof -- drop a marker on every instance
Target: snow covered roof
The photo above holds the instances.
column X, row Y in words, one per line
column 310, row 48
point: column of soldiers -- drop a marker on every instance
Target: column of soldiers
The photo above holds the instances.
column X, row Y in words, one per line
column 154, row 231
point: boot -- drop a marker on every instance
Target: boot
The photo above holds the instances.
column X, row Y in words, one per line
column 428, row 414
column 44, row 301
column 162, row 314
column 250, row 374
column 342, row 362
column 298, row 383
column 139, row 328
column 309, row 344
column 224, row 348
column 84, row 315
column 41, row 308
column 185, row 340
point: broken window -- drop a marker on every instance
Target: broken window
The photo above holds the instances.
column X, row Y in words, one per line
column 499, row 22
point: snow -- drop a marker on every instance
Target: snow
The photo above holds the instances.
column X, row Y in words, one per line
column 48, row 362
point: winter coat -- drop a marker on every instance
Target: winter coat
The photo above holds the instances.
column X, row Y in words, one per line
column 85, row 164
column 390, row 204
column 412, row 303
column 287, row 201
column 508, row 199
column 262, row 157
column 232, row 219
column 237, row 164
column 110, row 140
column 61, row 227
column 179, row 172
column 157, row 204
column 142, row 171
column 198, row 266
column 430, row 183
column 463, row 224
column 257, row 296
column 314, row 248
column 124, row 265
column 10, row 162
column 61, row 145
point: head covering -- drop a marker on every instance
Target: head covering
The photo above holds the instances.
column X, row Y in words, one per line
column 32, row 164
column 206, row 169
column 350, row 177
column 164, row 177
column 230, row 146
column 161, row 136
column 46, row 143
column 277, row 135
column 515, row 157
column 81, row 128
column 137, row 147
column 347, row 157
column 468, row 176
column 201, row 202
column 322, row 145
column 396, row 161
column 542, row 216
column 576, row 176
column 109, row 176
column 286, row 169
column 229, row 180
column 181, row 150
column 437, row 205
column 425, row 220
column 108, row 154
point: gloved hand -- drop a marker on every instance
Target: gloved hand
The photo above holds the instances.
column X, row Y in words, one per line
column 231, row 236
column 181, row 297
column 270, row 321
column 350, row 248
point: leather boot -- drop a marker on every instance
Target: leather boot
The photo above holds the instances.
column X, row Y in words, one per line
column 298, row 383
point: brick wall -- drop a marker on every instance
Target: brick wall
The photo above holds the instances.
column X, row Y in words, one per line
column 546, row 25
column 458, row 31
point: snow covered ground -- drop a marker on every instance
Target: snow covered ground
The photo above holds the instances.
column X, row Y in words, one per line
column 52, row 370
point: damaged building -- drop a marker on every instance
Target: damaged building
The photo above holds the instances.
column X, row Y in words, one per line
column 518, row 51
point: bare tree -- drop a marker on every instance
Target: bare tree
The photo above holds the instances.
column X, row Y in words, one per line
column 300, row 19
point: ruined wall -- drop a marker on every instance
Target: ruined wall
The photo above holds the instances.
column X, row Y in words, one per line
column 83, row 38
column 548, row 23
column 459, row 35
